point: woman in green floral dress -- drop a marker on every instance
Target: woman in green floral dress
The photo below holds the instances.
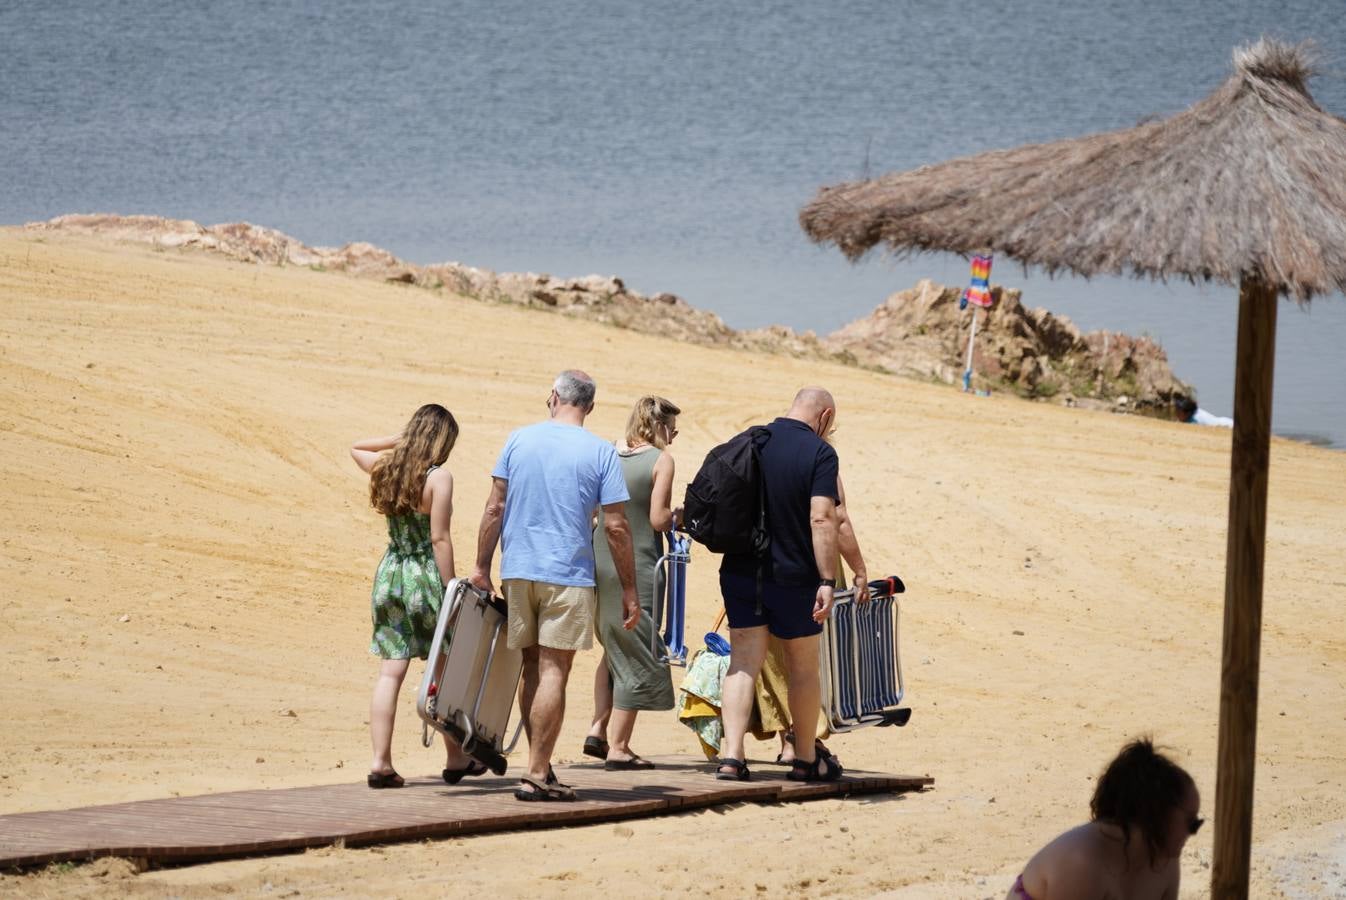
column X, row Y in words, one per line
column 409, row 486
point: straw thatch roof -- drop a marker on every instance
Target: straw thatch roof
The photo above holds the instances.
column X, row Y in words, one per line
column 1250, row 180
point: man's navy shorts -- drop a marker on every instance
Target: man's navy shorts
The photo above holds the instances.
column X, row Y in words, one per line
column 787, row 609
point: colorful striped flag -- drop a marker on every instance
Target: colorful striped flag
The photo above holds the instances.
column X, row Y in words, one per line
column 979, row 294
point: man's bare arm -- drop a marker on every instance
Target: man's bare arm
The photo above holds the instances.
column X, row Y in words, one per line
column 823, row 523
column 850, row 547
column 488, row 534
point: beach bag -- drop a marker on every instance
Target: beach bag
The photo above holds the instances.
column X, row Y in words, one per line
column 725, row 506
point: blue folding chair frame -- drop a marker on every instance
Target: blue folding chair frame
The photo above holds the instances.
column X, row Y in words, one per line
column 670, row 604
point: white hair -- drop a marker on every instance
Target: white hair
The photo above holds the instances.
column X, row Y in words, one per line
column 575, row 388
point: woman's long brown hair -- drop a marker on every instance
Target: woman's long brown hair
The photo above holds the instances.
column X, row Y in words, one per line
column 398, row 478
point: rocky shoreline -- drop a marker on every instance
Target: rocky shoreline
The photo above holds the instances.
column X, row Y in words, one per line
column 919, row 332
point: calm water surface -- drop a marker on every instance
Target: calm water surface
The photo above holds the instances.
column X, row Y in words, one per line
column 671, row 144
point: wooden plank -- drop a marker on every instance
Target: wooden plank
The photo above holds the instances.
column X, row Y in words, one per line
column 241, row 823
column 684, row 785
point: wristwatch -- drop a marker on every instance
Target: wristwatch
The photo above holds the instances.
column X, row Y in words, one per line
column 827, row 582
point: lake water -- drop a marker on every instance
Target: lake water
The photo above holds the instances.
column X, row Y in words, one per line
column 669, row 143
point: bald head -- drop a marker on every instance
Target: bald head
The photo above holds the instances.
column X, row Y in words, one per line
column 814, row 407
column 810, row 401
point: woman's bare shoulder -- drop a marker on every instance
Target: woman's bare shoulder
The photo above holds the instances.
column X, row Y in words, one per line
column 438, row 482
column 1068, row 864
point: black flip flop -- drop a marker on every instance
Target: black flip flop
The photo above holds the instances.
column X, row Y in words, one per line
column 628, row 765
column 381, row 780
column 453, row 776
column 595, row 747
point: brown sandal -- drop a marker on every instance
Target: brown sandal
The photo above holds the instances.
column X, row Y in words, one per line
column 548, row 791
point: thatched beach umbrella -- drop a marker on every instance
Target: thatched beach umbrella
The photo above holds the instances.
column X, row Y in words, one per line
column 1247, row 187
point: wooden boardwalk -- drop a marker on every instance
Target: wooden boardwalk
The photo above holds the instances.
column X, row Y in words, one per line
column 246, row 823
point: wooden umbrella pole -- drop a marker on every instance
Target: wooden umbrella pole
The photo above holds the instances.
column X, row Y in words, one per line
column 1256, row 358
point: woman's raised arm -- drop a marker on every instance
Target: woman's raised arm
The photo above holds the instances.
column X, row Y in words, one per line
column 366, row 452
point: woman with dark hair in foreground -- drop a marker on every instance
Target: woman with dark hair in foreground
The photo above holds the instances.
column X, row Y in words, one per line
column 410, row 486
column 1144, row 809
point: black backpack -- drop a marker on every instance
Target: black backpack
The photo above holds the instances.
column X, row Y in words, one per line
column 725, row 506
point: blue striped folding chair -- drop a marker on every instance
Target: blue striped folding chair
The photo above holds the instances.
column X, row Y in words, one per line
column 859, row 663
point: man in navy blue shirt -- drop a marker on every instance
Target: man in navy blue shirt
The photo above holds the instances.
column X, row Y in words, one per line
column 789, row 594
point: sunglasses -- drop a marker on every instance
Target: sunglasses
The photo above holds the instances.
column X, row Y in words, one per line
column 1195, row 825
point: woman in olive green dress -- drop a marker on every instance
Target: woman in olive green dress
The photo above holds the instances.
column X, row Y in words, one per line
column 630, row 677
column 410, row 486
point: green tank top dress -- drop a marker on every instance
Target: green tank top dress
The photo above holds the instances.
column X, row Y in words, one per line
column 639, row 679
column 407, row 591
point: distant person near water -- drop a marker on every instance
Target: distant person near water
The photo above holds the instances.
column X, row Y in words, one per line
column 1144, row 809
column 408, row 484
column 1189, row 412
column 630, row 676
column 547, row 483
column 789, row 594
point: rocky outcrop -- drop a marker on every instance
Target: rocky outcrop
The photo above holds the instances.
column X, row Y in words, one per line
column 595, row 297
column 921, row 332
column 918, row 332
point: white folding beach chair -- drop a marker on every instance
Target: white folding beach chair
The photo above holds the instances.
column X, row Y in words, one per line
column 471, row 676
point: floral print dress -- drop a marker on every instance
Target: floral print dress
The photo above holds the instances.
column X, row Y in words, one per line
column 407, row 591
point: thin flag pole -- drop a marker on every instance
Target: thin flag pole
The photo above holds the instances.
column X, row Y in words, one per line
column 971, row 338
column 978, row 294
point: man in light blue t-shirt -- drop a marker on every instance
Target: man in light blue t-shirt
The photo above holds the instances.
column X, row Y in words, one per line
column 546, row 485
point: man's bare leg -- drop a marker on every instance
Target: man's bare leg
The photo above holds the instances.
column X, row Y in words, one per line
column 546, row 708
column 747, row 650
column 801, row 666
column 528, row 689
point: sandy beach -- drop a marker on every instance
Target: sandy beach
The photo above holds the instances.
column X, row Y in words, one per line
column 188, row 552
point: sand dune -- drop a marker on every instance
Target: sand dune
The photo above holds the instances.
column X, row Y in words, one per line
column 188, row 549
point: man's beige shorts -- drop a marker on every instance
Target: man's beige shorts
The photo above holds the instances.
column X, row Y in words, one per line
column 552, row 615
